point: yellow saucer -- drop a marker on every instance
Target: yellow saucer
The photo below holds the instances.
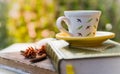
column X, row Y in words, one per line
column 99, row 38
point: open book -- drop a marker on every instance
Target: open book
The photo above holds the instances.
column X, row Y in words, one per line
column 69, row 60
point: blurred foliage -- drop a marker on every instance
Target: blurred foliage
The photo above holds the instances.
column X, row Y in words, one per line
column 4, row 38
column 32, row 20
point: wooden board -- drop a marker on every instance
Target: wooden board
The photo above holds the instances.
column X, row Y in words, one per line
column 16, row 60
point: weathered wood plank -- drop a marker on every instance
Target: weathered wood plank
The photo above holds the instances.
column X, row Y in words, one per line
column 16, row 60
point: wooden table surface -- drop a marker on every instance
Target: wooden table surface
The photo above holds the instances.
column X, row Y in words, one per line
column 11, row 57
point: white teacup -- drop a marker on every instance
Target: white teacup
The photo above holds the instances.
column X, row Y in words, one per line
column 81, row 23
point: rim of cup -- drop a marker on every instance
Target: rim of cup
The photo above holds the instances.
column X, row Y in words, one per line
column 82, row 12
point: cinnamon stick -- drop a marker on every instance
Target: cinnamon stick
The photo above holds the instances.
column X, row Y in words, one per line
column 38, row 58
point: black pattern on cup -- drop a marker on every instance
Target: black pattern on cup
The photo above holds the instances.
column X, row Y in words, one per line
column 80, row 34
column 79, row 20
column 97, row 19
column 88, row 27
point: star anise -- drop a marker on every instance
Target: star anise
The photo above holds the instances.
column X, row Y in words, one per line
column 34, row 54
column 29, row 53
column 41, row 50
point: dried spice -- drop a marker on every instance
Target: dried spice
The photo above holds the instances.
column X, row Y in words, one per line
column 38, row 58
column 35, row 54
column 41, row 50
column 29, row 53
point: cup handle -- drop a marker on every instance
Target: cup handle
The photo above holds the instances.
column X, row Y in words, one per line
column 59, row 25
